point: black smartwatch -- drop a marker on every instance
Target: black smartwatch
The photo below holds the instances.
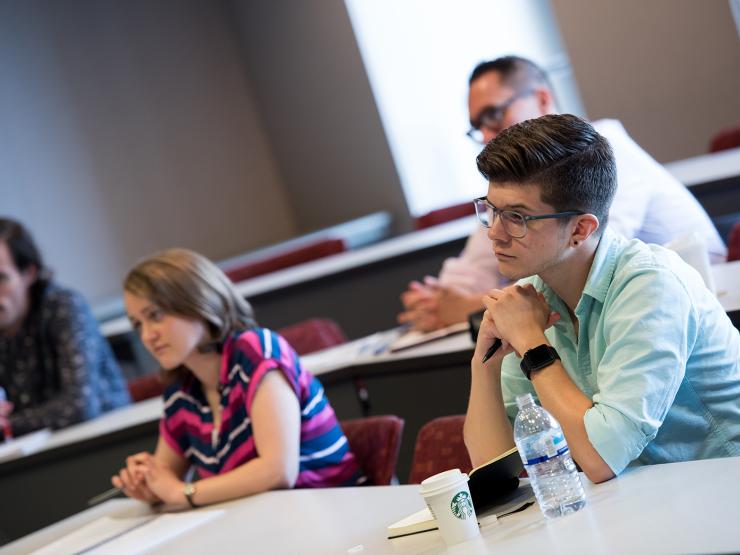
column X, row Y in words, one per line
column 538, row 358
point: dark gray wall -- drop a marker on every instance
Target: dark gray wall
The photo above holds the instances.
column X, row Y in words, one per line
column 127, row 127
column 318, row 111
column 669, row 69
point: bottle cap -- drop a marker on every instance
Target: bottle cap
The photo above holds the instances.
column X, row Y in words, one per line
column 524, row 400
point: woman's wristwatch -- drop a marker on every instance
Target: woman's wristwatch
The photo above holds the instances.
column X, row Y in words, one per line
column 189, row 490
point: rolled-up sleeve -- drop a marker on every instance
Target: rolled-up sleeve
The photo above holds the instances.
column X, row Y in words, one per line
column 649, row 327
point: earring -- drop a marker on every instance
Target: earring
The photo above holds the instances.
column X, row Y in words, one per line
column 575, row 243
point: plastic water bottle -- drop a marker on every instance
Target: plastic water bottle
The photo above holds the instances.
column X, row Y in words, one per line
column 552, row 473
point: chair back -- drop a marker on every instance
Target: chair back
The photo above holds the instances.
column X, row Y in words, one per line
column 286, row 259
column 313, row 335
column 733, row 243
column 725, row 139
column 145, row 387
column 439, row 446
column 375, row 441
column 446, row 214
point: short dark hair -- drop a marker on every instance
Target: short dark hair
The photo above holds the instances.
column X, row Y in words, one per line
column 25, row 253
column 516, row 72
column 561, row 153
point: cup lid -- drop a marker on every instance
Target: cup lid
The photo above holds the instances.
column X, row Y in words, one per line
column 443, row 481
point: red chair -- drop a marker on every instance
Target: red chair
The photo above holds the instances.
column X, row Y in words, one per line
column 286, row 259
column 442, row 215
column 145, row 387
column 375, row 441
column 725, row 139
column 313, row 335
column 733, row 243
column 439, row 446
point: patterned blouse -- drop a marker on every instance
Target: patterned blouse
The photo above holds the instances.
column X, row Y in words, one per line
column 187, row 425
column 58, row 369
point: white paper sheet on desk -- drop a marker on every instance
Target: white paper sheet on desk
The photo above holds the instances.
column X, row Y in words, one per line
column 24, row 445
column 414, row 338
column 124, row 536
column 342, row 355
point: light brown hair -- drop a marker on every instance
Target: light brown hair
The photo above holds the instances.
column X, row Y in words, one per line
column 186, row 284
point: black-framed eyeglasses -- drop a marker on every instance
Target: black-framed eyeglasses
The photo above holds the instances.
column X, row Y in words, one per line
column 491, row 117
column 514, row 223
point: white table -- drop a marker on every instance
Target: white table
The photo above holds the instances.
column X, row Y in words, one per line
column 74, row 463
column 727, row 285
column 706, row 168
column 686, row 507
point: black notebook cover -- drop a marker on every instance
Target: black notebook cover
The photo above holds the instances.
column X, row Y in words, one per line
column 491, row 482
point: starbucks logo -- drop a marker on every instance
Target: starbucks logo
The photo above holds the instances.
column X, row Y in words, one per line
column 461, row 505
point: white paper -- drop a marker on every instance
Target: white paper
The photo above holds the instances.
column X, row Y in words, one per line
column 346, row 354
column 414, row 338
column 123, row 536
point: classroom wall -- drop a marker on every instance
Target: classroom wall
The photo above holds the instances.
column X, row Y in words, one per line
column 224, row 126
column 127, row 127
column 319, row 112
column 669, row 69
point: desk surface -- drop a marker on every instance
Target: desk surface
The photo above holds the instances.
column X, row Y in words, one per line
column 706, row 168
column 727, row 284
column 686, row 507
column 80, row 435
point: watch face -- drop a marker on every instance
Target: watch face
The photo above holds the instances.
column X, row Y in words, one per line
column 539, row 357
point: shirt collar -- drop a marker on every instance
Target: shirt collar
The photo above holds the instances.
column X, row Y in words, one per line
column 602, row 268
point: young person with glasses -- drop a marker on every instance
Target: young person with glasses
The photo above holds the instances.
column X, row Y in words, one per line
column 650, row 204
column 621, row 341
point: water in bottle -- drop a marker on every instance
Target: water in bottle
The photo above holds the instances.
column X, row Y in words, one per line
column 552, row 473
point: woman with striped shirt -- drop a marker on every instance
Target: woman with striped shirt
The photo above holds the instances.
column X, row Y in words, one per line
column 239, row 407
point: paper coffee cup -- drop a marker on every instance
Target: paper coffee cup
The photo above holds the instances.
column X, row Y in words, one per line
column 448, row 497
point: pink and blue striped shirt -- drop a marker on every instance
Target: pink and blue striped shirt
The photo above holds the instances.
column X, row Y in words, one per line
column 187, row 425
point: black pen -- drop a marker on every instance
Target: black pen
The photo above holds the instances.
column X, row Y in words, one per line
column 491, row 350
column 110, row 494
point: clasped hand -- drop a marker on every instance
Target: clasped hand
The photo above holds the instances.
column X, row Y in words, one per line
column 430, row 305
column 518, row 315
column 147, row 479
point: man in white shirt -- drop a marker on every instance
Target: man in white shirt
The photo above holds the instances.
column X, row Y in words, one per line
column 650, row 204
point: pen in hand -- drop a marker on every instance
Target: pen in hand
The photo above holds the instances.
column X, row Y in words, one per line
column 110, row 494
column 491, row 350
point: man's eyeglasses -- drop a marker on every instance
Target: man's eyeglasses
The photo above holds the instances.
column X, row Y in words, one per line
column 491, row 117
column 514, row 223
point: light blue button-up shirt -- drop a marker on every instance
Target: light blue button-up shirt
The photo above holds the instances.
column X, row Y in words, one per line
column 656, row 353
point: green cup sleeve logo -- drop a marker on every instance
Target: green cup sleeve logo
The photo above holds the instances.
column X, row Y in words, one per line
column 462, row 505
